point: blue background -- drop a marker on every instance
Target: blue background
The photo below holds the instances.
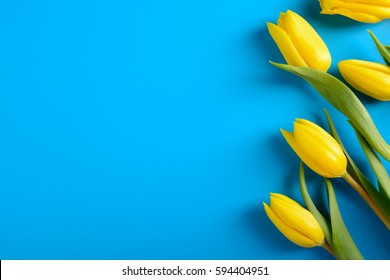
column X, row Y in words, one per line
column 150, row 129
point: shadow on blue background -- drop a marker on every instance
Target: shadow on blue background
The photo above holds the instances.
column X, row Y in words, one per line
column 148, row 130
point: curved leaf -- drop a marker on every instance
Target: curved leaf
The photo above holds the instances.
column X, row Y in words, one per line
column 324, row 223
column 343, row 244
column 343, row 99
column 351, row 167
column 381, row 190
column 375, row 162
column 384, row 50
column 382, row 201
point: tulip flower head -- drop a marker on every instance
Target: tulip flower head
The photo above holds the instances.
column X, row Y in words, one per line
column 295, row 222
column 371, row 11
column 299, row 43
column 367, row 77
column 317, row 149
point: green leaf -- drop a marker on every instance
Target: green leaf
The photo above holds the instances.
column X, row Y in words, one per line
column 375, row 162
column 382, row 201
column 384, row 50
column 351, row 167
column 343, row 99
column 381, row 190
column 343, row 244
column 324, row 223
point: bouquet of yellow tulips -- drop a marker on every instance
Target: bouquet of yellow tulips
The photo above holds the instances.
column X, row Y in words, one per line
column 308, row 57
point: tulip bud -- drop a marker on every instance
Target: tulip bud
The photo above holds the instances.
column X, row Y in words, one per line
column 299, row 43
column 295, row 222
column 365, row 11
column 367, row 77
column 317, row 149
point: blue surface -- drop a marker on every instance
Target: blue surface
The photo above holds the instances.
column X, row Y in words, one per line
column 150, row 129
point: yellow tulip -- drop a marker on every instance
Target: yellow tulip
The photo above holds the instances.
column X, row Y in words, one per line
column 299, row 43
column 294, row 221
column 367, row 77
column 317, row 149
column 371, row 11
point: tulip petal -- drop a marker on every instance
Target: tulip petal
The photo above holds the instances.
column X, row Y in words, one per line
column 307, row 41
column 358, row 16
column 308, row 158
column 291, row 234
column 369, row 78
column 378, row 67
column 285, row 45
column 383, row 3
column 284, row 198
column 289, row 136
column 318, row 133
column 298, row 218
column 322, row 149
column 359, row 10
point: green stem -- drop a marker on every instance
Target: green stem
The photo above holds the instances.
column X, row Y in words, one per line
column 362, row 192
column 329, row 249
